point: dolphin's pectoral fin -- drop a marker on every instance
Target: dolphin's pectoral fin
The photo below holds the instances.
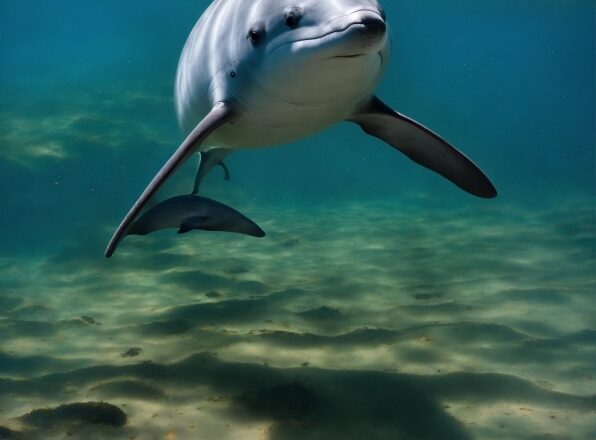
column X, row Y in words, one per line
column 226, row 170
column 208, row 160
column 423, row 147
column 192, row 223
column 221, row 114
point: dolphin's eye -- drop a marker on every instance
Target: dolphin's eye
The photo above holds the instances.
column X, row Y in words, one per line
column 256, row 34
column 292, row 16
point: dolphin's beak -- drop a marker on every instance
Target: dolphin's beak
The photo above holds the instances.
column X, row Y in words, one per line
column 362, row 32
column 373, row 25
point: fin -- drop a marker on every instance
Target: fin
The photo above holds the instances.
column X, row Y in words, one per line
column 226, row 170
column 188, row 212
column 214, row 216
column 423, row 147
column 209, row 160
column 221, row 114
column 190, row 224
column 136, row 229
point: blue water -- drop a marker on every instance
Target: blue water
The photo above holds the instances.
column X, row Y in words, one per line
column 377, row 279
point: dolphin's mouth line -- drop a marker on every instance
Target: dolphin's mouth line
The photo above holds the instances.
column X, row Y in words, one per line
column 318, row 37
column 358, row 55
column 335, row 31
column 332, row 32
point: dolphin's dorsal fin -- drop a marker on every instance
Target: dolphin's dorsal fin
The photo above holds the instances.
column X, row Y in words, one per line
column 221, row 114
column 422, row 146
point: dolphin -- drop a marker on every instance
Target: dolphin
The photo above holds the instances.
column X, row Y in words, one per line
column 188, row 212
column 256, row 73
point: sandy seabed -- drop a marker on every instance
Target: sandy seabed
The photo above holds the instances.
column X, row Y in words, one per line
column 362, row 321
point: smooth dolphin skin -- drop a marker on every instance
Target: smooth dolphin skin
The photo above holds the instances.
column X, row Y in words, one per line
column 189, row 212
column 287, row 67
column 256, row 73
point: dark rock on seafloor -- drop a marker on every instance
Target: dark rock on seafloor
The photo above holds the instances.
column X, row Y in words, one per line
column 6, row 433
column 94, row 413
column 90, row 320
column 132, row 352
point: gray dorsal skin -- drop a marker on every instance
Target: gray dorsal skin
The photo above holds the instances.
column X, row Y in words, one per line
column 189, row 212
column 260, row 73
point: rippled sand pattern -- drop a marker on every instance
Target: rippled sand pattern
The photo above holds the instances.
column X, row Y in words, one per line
column 363, row 321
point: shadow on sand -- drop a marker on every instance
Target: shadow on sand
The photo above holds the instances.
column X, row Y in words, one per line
column 304, row 403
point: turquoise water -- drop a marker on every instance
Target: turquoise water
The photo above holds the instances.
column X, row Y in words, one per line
column 384, row 303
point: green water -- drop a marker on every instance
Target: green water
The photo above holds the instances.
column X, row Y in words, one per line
column 384, row 303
